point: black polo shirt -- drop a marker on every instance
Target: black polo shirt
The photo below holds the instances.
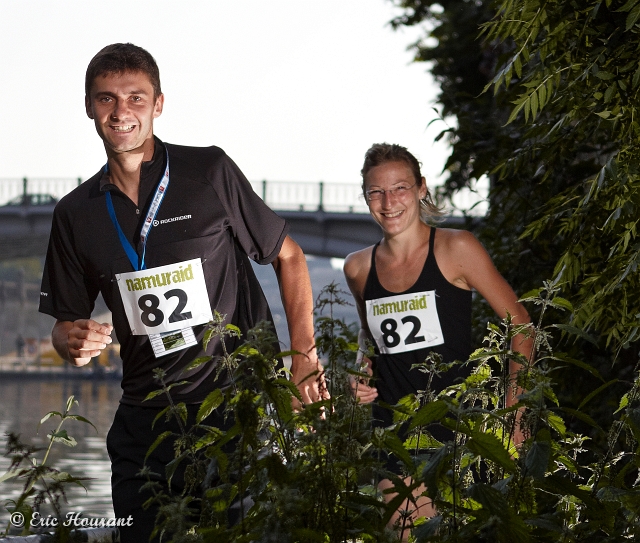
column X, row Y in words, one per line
column 210, row 212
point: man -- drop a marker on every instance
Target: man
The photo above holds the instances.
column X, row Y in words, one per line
column 164, row 232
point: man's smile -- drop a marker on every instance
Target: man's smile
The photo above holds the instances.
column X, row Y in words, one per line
column 126, row 128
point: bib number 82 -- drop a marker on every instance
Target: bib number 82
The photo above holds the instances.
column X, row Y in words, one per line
column 392, row 338
column 152, row 315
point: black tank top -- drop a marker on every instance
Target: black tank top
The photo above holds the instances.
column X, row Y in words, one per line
column 394, row 376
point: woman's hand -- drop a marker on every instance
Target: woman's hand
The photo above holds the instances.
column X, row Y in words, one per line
column 360, row 385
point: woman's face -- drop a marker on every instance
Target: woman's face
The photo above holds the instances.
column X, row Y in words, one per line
column 393, row 196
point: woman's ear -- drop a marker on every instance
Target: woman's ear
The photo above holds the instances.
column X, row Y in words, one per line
column 423, row 189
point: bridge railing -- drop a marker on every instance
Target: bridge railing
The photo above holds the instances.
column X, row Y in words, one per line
column 279, row 195
column 56, row 187
column 309, row 196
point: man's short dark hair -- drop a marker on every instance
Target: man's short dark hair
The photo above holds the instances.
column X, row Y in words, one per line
column 119, row 58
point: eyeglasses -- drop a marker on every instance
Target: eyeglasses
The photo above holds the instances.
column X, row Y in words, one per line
column 398, row 192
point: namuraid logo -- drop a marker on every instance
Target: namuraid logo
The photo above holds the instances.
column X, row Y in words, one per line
column 172, row 219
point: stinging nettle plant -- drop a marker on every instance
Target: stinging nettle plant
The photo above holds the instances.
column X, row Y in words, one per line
column 279, row 475
column 44, row 486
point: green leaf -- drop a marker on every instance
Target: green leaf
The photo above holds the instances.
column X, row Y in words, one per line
column 490, row 498
column 81, row 419
column 542, row 95
column 490, row 447
column 534, row 104
column 158, row 441
column 556, row 422
column 153, row 394
column 517, row 65
column 609, row 93
column 211, row 402
column 597, row 391
column 537, row 459
column 71, row 401
column 576, row 332
column 436, row 464
column 628, row 6
column 633, row 16
column 560, row 302
column 428, row 413
column 636, row 78
column 180, row 410
column 9, row 475
column 531, row 295
column 624, row 401
column 159, row 416
column 394, row 445
column 290, row 385
column 48, row 416
column 428, row 529
column 582, row 416
column 171, row 467
column 514, row 113
column 198, row 362
column 562, row 486
column 579, row 363
column 61, row 436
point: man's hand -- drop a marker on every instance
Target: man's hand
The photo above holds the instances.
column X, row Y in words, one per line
column 79, row 341
column 308, row 376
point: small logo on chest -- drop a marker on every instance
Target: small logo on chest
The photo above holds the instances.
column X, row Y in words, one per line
column 172, row 219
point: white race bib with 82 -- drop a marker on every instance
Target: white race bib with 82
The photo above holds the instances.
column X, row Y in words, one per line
column 166, row 298
column 406, row 322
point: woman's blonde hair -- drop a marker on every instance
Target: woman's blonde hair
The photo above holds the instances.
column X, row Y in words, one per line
column 381, row 153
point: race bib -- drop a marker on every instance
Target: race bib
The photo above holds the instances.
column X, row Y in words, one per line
column 165, row 299
column 406, row 322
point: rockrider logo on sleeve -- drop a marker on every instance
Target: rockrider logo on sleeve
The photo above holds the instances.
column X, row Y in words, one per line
column 405, row 322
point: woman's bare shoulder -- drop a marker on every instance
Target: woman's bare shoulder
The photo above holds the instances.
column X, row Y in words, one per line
column 457, row 241
column 358, row 263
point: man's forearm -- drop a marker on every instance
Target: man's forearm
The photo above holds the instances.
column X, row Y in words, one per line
column 297, row 300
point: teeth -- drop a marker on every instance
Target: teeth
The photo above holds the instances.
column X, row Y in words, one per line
column 392, row 215
column 123, row 128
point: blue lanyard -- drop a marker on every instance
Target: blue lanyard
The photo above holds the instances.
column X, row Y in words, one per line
column 137, row 262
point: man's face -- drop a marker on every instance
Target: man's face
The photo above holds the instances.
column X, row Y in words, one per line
column 123, row 108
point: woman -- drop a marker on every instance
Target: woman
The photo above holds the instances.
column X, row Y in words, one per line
column 413, row 289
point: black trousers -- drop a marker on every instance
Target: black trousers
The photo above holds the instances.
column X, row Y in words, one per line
column 128, row 441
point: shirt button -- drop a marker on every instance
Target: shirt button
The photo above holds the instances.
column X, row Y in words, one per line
column 137, row 211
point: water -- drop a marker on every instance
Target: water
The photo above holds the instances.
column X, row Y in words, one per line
column 24, row 402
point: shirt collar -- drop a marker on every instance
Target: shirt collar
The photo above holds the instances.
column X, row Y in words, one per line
column 150, row 175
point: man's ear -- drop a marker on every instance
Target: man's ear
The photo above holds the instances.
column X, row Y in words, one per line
column 157, row 110
column 87, row 107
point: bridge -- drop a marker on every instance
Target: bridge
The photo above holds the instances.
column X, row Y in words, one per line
column 325, row 219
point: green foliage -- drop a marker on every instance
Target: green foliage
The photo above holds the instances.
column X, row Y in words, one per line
column 312, row 475
column 557, row 132
column 290, row 476
column 579, row 67
column 43, row 485
column 541, row 97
